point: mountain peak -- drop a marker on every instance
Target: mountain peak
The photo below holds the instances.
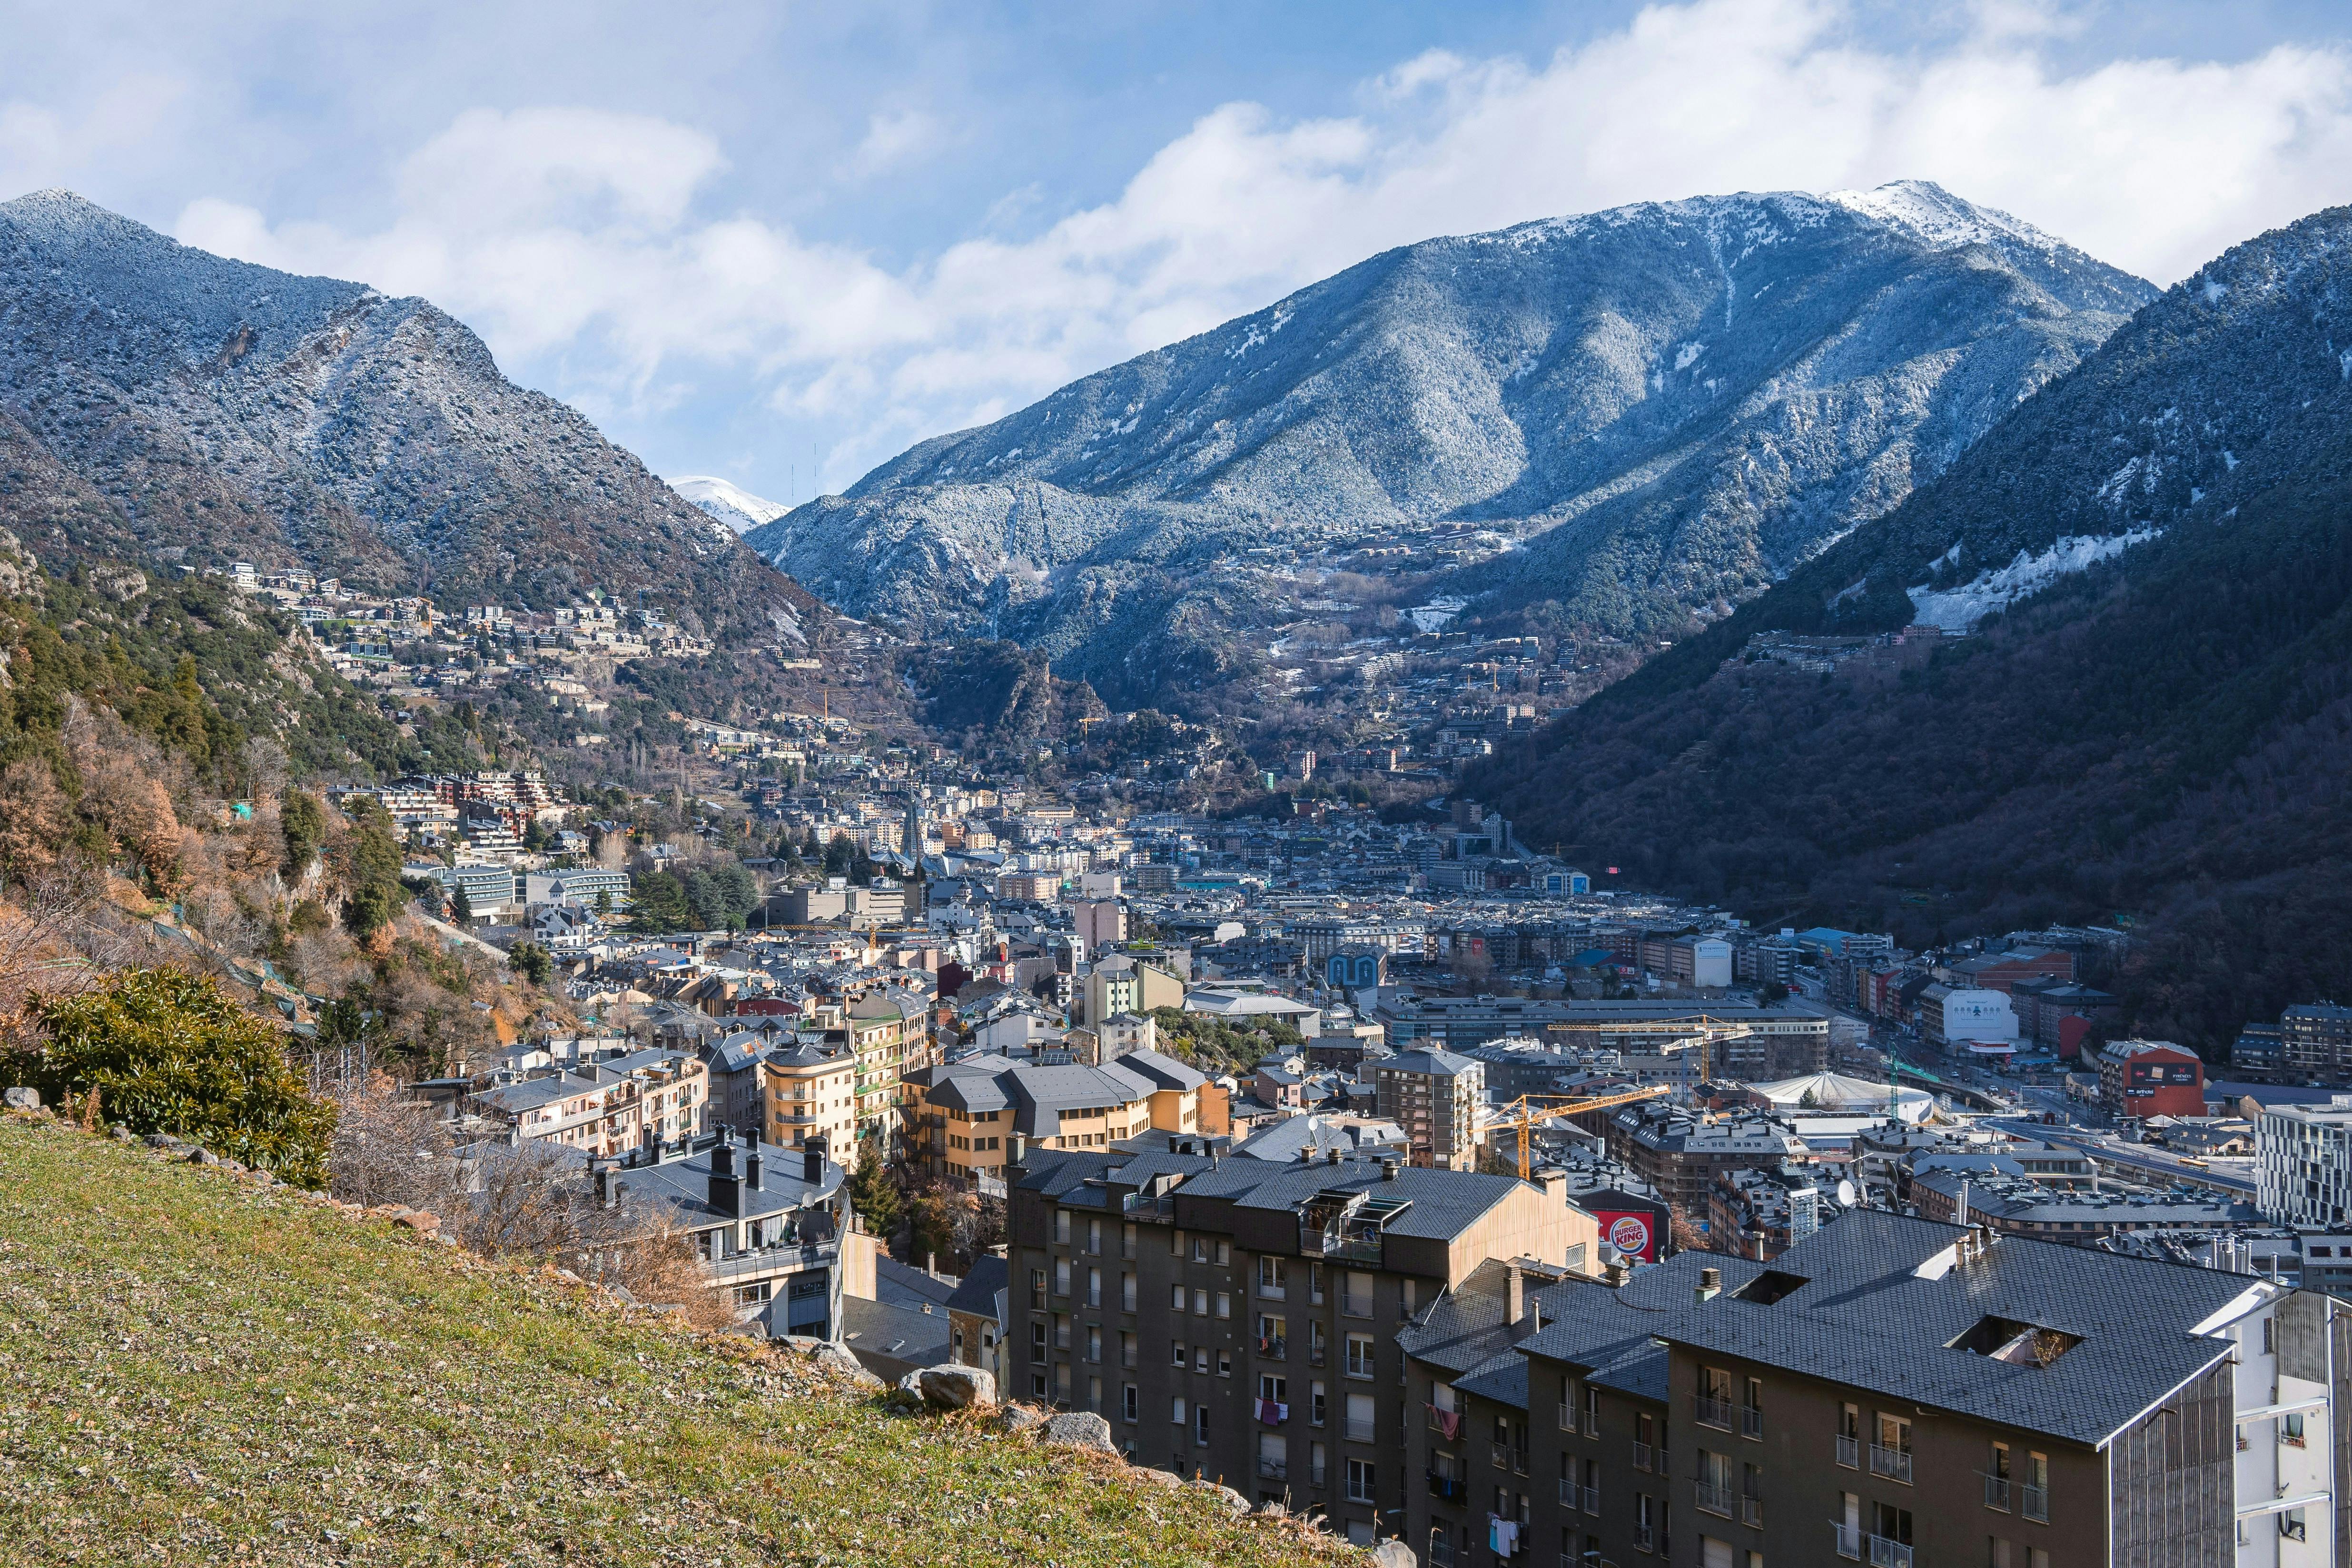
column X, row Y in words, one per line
column 737, row 509
column 1932, row 214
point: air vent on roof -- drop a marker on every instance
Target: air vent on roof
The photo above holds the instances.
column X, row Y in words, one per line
column 2016, row 1341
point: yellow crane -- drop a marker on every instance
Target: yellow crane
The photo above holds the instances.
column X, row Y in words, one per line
column 1526, row 1113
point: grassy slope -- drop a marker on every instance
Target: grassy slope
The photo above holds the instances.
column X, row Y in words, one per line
column 197, row 1369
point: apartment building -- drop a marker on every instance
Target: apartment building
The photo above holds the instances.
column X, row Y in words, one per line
column 1679, row 1153
column 809, row 1093
column 967, row 1119
column 1892, row 1391
column 886, row 1027
column 2315, row 1043
column 1438, row 1098
column 2303, row 1164
column 1239, row 1319
column 603, row 1108
column 768, row 1224
column 2150, row 1078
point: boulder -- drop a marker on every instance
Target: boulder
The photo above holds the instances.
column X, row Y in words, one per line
column 1226, row 1497
column 419, row 1220
column 838, row 1359
column 1394, row 1554
column 1083, row 1429
column 21, row 1099
column 951, row 1387
column 203, row 1158
column 1153, row 1476
column 1019, row 1418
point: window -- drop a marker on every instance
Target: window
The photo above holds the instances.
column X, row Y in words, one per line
column 1037, row 1383
column 1094, row 1237
column 1094, row 1343
column 1359, row 1480
column 1714, row 1483
column 1037, row 1336
column 1175, row 1244
column 2034, row 1500
column 1200, row 1303
column 1997, row 1478
column 1127, row 1293
column 1361, row 1419
column 1314, row 1284
column 1360, row 1356
column 1175, row 1298
column 1178, row 1356
column 1274, row 1277
column 2290, row 1430
column 1062, row 1226
column 1129, row 1402
column 1127, row 1242
column 1315, row 1404
column 1176, row 1410
column 1126, row 1350
column 1094, row 1287
column 1224, row 1364
column 1224, row 1254
column 1201, row 1424
column 1036, row 1287
column 1356, row 1296
column 1890, row 1456
column 1061, row 1276
column 1849, row 1437
column 1200, row 1249
column 1201, row 1358
column 1889, row 1524
column 1224, row 1303
column 1272, row 1388
column 1997, row 1552
column 1273, row 1336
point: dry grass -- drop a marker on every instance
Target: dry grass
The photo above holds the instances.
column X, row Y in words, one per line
column 198, row 1369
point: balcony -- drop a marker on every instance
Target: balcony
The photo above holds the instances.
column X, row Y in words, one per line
column 1886, row 1553
column 1996, row 1493
column 2035, row 1503
column 1714, row 1499
column 1593, row 1499
column 1751, row 1423
column 1751, row 1512
column 1893, row 1463
column 1316, row 1354
column 1446, row 1424
column 1273, row 1346
column 1644, row 1539
column 1569, row 1494
column 1159, row 1211
column 1452, row 1488
column 768, row 1261
column 1641, row 1456
column 1273, row 1469
column 1361, row 1431
column 1354, row 1306
column 1712, row 1412
column 1568, row 1417
column 1845, row 1540
column 1846, row 1454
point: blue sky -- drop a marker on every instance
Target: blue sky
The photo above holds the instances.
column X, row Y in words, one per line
column 759, row 240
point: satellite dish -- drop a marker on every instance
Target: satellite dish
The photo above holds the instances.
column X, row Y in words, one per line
column 1846, row 1193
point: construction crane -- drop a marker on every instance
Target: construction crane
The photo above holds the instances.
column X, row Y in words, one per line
column 1529, row 1111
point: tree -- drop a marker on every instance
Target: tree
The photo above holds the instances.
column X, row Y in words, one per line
column 531, row 961
column 658, row 902
column 838, row 855
column 168, row 1052
column 604, row 904
column 873, row 1195
column 372, row 869
column 302, row 824
column 461, row 906
column 738, row 891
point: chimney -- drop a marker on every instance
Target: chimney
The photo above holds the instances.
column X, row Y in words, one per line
column 813, row 1161
column 752, row 1166
column 1710, row 1285
column 1615, row 1274
column 1515, row 1284
column 1334, row 1157
column 1387, row 1170
column 726, row 1190
column 603, row 1174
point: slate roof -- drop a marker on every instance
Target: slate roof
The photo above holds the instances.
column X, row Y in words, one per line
column 1433, row 1061
column 977, row 1291
column 1864, row 1318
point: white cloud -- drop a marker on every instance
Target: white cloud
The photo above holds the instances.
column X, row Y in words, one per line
column 573, row 239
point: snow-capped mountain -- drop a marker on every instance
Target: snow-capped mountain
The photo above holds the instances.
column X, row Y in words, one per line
column 1654, row 412
column 737, row 511
column 160, row 402
column 2146, row 724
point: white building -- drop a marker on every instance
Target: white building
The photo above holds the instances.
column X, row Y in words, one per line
column 2303, row 1164
column 1711, row 966
column 1975, row 1022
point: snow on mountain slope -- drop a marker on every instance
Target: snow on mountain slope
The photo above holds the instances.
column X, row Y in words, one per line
column 220, row 411
column 1657, row 410
column 738, row 511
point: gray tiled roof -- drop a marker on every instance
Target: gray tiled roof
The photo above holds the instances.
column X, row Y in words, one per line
column 1865, row 1318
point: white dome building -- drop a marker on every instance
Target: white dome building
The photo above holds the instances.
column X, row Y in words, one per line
column 1829, row 1105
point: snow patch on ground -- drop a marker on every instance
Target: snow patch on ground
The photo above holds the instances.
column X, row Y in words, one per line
column 1433, row 616
column 2214, row 291
column 1686, row 353
column 1958, row 609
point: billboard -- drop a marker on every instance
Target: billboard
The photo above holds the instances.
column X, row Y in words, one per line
column 1630, row 1234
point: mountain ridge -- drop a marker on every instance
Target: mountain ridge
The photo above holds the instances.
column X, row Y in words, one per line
column 224, row 410
column 2154, row 734
column 1651, row 431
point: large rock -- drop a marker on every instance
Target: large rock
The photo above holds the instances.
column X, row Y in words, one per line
column 951, row 1387
column 839, row 1360
column 21, row 1099
column 1019, row 1418
column 1394, row 1554
column 1233, row 1501
column 1080, row 1429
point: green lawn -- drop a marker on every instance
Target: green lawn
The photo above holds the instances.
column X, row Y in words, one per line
column 197, row 1369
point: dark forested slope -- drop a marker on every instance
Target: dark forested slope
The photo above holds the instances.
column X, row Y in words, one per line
column 2163, row 736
